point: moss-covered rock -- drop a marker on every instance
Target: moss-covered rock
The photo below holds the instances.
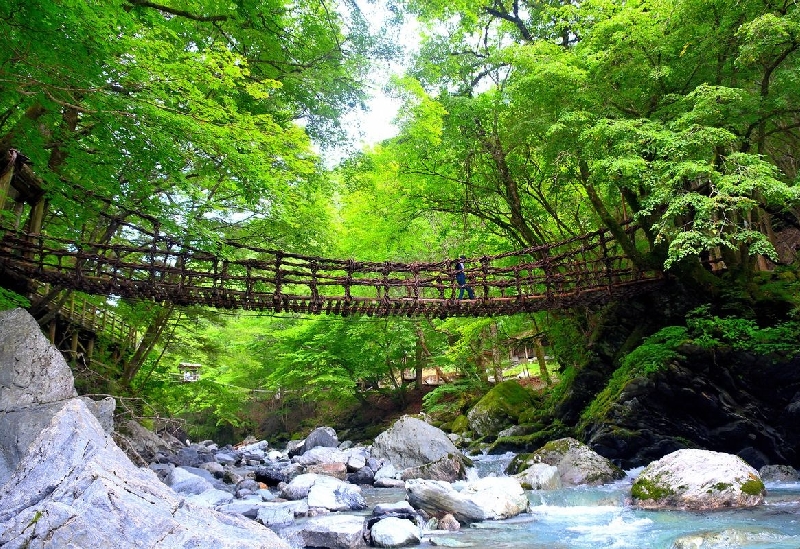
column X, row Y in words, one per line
column 499, row 408
column 460, row 425
column 577, row 463
column 539, row 435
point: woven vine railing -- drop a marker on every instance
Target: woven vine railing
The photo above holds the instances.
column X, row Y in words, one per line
column 578, row 271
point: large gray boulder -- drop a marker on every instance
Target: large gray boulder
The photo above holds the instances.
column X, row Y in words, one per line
column 698, row 480
column 778, row 473
column 63, row 481
column 331, row 531
column 187, row 483
column 411, row 442
column 32, row 372
column 449, row 468
column 335, row 495
column 33, row 376
column 75, row 488
column 321, row 455
column 321, row 436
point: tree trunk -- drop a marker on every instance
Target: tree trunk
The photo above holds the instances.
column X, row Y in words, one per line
column 151, row 337
column 628, row 246
column 421, row 354
column 497, row 365
column 539, row 350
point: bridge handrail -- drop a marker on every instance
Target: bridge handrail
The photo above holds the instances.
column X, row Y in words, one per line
column 94, row 318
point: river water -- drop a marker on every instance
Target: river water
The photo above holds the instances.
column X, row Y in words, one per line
column 598, row 517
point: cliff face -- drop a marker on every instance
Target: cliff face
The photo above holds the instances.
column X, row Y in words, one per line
column 726, row 401
column 721, row 399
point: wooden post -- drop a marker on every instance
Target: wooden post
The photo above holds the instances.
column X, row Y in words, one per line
column 37, row 215
column 35, row 227
column 90, row 349
column 5, row 177
column 74, row 346
column 18, row 207
column 420, row 357
column 52, row 331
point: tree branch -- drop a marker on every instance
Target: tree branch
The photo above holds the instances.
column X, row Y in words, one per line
column 499, row 11
column 177, row 12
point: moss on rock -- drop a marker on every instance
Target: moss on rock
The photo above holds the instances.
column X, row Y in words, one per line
column 753, row 487
column 500, row 408
column 645, row 489
column 460, row 425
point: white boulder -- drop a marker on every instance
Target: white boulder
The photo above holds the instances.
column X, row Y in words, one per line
column 489, row 498
column 333, row 494
column 330, row 531
column 395, row 532
column 540, row 476
column 698, row 480
column 299, row 486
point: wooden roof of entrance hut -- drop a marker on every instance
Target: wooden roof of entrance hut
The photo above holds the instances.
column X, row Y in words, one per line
column 189, row 372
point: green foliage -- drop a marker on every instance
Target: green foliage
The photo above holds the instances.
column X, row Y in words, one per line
column 742, row 334
column 752, row 487
column 12, row 300
column 539, row 140
column 336, row 357
column 453, row 399
column 568, row 340
column 655, row 352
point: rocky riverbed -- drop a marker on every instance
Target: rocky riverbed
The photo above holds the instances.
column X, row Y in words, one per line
column 68, row 479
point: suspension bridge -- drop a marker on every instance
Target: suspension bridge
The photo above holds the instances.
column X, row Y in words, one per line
column 148, row 263
column 579, row 271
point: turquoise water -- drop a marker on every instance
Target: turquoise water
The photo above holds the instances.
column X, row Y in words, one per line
column 595, row 518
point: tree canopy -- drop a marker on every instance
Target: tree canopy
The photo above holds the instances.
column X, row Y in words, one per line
column 200, row 114
column 545, row 119
column 522, row 123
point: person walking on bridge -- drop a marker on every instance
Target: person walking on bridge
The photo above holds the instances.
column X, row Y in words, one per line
column 461, row 279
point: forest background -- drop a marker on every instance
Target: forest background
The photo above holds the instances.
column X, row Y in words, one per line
column 521, row 123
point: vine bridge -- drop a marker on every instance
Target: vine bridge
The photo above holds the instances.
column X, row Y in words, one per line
column 578, row 271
